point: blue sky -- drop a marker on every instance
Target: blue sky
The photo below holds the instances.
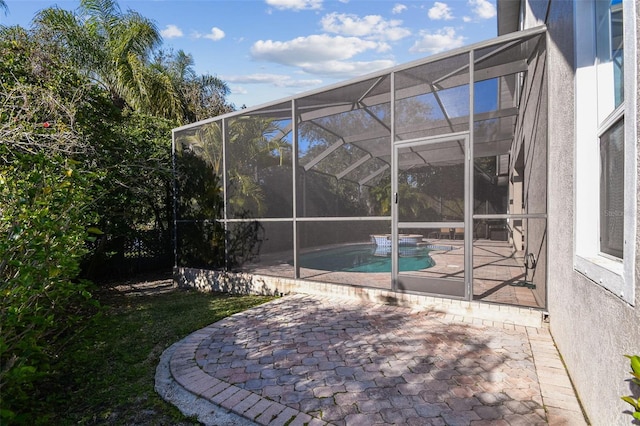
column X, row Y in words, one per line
column 270, row 49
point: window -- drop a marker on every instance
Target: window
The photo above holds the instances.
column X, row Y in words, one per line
column 612, row 190
column 605, row 144
column 610, row 73
column 610, row 56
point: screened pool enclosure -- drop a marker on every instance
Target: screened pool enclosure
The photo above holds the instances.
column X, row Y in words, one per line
column 427, row 178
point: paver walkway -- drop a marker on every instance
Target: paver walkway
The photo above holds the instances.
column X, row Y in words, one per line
column 312, row 360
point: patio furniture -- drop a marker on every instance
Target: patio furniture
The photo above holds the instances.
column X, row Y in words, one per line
column 384, row 240
column 446, row 231
column 458, row 232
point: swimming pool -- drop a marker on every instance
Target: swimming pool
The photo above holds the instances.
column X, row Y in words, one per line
column 365, row 258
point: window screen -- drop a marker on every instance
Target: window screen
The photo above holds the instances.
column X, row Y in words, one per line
column 612, row 190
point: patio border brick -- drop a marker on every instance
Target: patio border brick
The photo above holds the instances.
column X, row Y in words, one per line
column 185, row 370
column 558, row 395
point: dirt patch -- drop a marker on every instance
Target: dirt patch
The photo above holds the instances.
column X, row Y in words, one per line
column 145, row 284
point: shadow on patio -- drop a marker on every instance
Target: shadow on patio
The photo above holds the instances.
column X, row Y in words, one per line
column 342, row 362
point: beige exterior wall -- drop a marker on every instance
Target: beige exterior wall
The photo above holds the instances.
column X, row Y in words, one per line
column 591, row 326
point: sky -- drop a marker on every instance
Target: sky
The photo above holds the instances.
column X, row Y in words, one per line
column 271, row 49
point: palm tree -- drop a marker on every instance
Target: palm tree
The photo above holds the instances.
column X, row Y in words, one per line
column 201, row 96
column 3, row 6
column 113, row 49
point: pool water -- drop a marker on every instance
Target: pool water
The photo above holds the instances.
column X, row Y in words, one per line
column 366, row 258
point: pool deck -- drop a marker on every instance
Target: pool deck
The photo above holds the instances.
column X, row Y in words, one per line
column 317, row 360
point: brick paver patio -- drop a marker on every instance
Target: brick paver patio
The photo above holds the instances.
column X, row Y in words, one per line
column 312, row 360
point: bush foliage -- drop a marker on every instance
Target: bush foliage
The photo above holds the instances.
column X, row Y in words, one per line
column 85, row 174
column 43, row 223
column 78, row 176
column 634, row 363
column 45, row 216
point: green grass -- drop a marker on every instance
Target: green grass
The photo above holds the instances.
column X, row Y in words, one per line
column 107, row 375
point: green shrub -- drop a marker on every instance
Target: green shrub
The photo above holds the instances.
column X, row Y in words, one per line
column 635, row 372
column 43, row 229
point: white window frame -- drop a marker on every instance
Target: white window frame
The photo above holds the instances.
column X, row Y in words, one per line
column 593, row 116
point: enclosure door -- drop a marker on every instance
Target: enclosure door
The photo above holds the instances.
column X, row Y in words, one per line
column 430, row 194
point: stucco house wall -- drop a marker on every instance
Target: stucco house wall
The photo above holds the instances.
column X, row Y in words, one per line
column 591, row 326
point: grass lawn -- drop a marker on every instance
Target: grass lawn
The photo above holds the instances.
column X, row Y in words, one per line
column 107, row 375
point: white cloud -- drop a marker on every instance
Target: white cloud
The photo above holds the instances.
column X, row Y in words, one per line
column 278, row 80
column 238, row 90
column 215, row 34
column 383, row 47
column 483, row 9
column 295, row 4
column 370, row 26
column 314, row 48
column 441, row 40
column 398, row 8
column 440, row 11
column 171, row 31
column 346, row 69
column 299, row 83
column 323, row 55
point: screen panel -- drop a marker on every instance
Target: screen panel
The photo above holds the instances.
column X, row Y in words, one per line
column 200, row 244
column 344, row 252
column 259, row 167
column 431, row 182
column 509, row 261
column 432, row 99
column 198, row 173
column 344, row 148
column 261, row 247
